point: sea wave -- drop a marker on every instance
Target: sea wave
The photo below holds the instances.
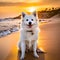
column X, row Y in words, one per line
column 7, row 32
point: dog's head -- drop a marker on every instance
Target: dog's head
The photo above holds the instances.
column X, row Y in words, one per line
column 29, row 21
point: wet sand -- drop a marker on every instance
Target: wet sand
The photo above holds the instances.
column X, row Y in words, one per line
column 49, row 40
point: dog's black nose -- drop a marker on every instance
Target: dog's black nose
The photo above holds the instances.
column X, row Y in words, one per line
column 29, row 23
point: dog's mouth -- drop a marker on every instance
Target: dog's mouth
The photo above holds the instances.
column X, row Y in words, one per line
column 30, row 26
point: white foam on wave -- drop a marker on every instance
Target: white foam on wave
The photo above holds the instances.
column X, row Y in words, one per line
column 7, row 32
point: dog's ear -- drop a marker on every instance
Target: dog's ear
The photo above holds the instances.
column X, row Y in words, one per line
column 23, row 14
column 34, row 13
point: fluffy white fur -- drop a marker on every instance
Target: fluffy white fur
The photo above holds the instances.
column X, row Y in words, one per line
column 26, row 37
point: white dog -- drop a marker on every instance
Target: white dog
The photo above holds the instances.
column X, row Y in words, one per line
column 29, row 33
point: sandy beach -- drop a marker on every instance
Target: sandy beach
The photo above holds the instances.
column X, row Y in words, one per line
column 49, row 40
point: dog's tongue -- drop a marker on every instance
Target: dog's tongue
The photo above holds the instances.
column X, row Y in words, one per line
column 30, row 26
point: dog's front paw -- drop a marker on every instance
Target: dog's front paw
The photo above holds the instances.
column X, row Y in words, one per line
column 36, row 55
column 21, row 58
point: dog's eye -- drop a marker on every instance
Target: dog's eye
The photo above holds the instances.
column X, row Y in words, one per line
column 26, row 19
column 32, row 19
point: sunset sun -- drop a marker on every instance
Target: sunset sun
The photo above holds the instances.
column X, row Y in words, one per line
column 31, row 9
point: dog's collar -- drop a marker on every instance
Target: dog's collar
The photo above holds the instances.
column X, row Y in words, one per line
column 30, row 31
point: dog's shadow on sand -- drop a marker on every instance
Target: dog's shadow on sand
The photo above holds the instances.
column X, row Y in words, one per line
column 29, row 56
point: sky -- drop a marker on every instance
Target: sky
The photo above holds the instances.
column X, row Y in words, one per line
column 20, row 0
column 29, row 1
column 43, row 2
column 27, row 5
